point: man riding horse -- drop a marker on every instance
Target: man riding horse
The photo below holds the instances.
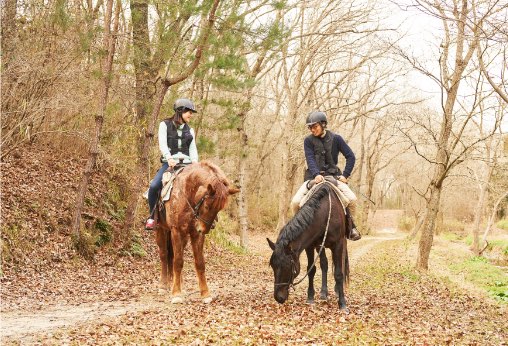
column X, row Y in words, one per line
column 322, row 148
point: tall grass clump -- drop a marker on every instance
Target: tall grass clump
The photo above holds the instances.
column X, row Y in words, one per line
column 503, row 224
column 406, row 223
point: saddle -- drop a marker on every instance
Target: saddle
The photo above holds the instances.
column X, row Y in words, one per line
column 168, row 178
column 332, row 182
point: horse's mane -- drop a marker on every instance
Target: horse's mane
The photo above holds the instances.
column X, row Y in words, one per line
column 303, row 218
column 220, row 184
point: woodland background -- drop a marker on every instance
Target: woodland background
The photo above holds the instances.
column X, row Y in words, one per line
column 94, row 78
column 417, row 88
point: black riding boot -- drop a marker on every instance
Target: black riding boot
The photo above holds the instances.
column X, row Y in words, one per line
column 352, row 231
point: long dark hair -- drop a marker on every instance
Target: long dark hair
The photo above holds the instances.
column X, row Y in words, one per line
column 177, row 117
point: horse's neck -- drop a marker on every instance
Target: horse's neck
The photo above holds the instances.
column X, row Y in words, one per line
column 310, row 236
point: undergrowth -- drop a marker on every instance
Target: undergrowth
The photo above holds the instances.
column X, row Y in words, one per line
column 406, row 223
column 503, row 224
column 221, row 235
column 480, row 272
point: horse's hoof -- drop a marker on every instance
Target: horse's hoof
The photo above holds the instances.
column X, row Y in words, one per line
column 207, row 300
column 323, row 296
column 344, row 310
column 176, row 300
column 162, row 290
column 310, row 301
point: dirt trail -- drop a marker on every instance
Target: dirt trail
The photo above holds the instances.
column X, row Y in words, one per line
column 20, row 324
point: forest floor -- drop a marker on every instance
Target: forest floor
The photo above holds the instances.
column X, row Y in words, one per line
column 54, row 297
column 389, row 302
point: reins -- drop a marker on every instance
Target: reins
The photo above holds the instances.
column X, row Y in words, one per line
column 195, row 210
column 322, row 246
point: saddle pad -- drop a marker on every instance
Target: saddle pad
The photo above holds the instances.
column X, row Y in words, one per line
column 167, row 183
column 342, row 198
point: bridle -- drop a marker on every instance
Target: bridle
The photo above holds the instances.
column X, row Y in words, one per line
column 195, row 210
column 293, row 265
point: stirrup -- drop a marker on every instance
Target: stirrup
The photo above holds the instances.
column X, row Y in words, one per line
column 354, row 235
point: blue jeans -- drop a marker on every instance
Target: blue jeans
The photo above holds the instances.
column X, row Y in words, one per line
column 155, row 187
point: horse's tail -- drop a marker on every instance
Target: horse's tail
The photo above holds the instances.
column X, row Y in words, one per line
column 345, row 267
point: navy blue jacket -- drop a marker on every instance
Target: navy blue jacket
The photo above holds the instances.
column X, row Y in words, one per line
column 338, row 146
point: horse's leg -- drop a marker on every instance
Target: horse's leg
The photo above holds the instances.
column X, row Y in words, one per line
column 323, row 263
column 171, row 256
column 310, row 259
column 339, row 273
column 178, row 246
column 197, row 243
column 162, row 238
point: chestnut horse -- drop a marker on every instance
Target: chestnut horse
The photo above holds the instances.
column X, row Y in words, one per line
column 199, row 192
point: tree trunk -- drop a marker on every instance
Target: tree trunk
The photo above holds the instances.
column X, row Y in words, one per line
column 107, row 66
column 480, row 209
column 242, row 204
column 141, row 58
column 417, row 226
column 438, row 228
column 428, row 229
column 492, row 217
column 9, row 27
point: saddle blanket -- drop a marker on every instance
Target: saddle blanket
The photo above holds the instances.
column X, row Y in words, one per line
column 167, row 183
column 342, row 198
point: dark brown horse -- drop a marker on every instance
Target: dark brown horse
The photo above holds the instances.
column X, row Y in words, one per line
column 200, row 191
column 306, row 231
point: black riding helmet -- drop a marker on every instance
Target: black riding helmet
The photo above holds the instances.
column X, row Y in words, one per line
column 316, row 117
column 183, row 104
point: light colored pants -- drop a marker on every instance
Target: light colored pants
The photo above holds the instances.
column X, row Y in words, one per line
column 344, row 188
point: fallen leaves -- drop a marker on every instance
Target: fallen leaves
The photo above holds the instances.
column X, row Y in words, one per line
column 116, row 300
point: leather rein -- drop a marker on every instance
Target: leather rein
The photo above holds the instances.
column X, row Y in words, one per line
column 195, row 210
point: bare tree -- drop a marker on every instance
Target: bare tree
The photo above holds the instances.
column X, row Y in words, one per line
column 488, row 164
column 109, row 41
column 183, row 72
column 327, row 50
column 461, row 27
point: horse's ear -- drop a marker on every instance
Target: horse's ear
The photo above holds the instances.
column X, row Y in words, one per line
column 210, row 189
column 233, row 190
column 272, row 245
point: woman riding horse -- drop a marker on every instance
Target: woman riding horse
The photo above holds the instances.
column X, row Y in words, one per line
column 175, row 138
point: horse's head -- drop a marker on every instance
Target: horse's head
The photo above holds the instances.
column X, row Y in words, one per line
column 209, row 200
column 211, row 196
column 286, row 267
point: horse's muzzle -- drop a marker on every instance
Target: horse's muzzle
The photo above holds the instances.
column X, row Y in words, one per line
column 281, row 295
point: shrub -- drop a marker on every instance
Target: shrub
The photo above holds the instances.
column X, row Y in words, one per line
column 135, row 249
column 220, row 235
column 84, row 244
column 503, row 224
column 406, row 223
column 104, row 232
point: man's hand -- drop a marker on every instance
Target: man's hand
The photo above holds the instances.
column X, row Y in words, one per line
column 319, row 178
column 342, row 179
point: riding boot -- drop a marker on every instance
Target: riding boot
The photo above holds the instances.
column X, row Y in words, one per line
column 352, row 231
